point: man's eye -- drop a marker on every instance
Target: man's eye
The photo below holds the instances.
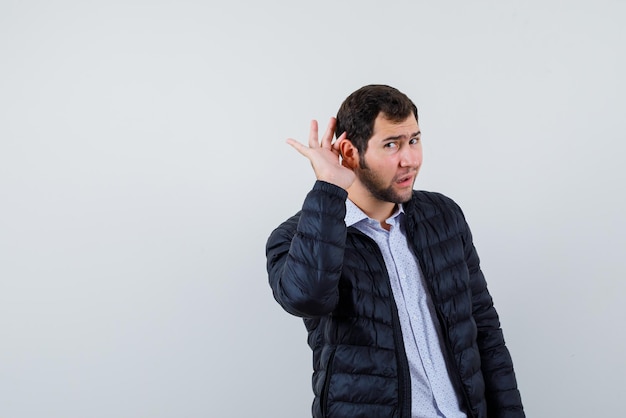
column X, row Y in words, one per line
column 414, row 140
column 390, row 145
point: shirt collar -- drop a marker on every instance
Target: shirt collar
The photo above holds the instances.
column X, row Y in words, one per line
column 355, row 215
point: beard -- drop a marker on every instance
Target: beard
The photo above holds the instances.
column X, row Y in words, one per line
column 379, row 189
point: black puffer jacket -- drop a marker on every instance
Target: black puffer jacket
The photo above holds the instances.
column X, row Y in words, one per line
column 335, row 278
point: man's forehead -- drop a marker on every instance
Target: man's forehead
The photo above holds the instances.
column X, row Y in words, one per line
column 408, row 126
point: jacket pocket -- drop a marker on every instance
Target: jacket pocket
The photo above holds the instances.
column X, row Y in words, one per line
column 326, row 387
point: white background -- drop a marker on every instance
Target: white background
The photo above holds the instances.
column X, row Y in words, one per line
column 143, row 164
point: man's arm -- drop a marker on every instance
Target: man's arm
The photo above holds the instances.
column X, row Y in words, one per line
column 305, row 254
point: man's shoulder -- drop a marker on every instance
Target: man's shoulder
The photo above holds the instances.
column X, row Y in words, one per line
column 425, row 198
column 427, row 206
column 290, row 225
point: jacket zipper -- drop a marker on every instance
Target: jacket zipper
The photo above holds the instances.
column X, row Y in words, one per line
column 444, row 329
column 404, row 385
column 326, row 387
column 457, row 377
column 404, row 382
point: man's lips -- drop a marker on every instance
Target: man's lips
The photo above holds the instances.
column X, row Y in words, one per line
column 405, row 178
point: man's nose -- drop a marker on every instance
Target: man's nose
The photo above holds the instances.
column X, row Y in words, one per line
column 409, row 158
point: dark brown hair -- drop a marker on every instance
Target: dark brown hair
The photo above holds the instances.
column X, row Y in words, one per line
column 358, row 112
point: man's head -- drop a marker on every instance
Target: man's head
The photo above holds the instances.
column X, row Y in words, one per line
column 382, row 144
column 359, row 111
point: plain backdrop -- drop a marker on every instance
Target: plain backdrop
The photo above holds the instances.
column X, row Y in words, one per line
column 143, row 164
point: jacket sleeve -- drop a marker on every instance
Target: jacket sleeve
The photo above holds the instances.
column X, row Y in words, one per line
column 501, row 393
column 305, row 253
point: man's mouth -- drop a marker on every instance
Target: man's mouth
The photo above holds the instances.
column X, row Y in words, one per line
column 406, row 178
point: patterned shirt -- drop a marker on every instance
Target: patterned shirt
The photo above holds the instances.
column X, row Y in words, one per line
column 432, row 392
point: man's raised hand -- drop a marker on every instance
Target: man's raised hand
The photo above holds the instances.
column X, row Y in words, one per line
column 324, row 155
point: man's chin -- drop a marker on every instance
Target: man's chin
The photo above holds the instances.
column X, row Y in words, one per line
column 404, row 195
column 399, row 198
column 405, row 199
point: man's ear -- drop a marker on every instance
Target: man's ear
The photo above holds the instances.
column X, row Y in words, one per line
column 349, row 154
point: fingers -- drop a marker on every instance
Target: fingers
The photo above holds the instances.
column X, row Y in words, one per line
column 327, row 139
column 314, row 142
column 313, row 135
column 298, row 146
column 337, row 144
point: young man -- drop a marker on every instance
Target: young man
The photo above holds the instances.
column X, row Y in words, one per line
column 387, row 279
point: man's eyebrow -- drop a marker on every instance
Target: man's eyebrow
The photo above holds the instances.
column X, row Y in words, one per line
column 395, row 138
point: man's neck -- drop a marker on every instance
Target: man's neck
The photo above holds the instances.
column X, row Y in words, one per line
column 372, row 207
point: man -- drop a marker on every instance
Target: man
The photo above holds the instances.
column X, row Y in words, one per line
column 387, row 279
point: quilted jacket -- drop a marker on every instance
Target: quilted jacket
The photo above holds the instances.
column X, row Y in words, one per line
column 335, row 278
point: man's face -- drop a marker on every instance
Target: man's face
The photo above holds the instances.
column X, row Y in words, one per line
column 389, row 167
